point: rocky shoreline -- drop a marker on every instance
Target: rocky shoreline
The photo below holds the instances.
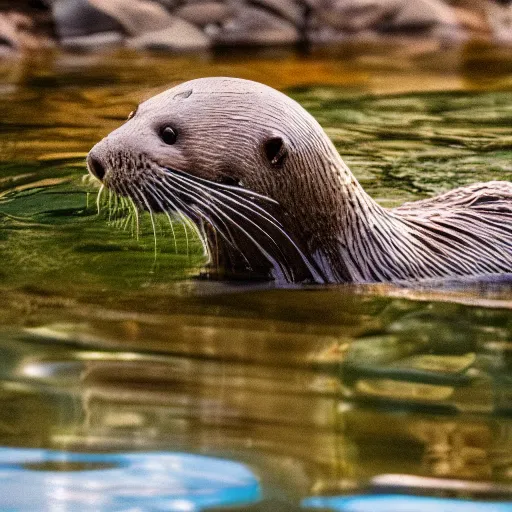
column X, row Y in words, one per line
column 178, row 25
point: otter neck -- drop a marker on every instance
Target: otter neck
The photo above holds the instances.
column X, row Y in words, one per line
column 341, row 223
column 356, row 240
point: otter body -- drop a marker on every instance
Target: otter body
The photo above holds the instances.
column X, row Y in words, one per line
column 275, row 199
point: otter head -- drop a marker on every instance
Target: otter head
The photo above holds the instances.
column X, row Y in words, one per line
column 213, row 149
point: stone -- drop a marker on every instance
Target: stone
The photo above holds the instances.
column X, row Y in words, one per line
column 15, row 32
column 8, row 32
column 78, row 18
column 203, row 14
column 251, row 25
column 150, row 25
column 137, row 17
column 384, row 15
column 288, row 9
column 423, row 14
column 351, row 15
column 180, row 35
column 500, row 21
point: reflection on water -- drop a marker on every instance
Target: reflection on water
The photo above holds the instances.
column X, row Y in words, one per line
column 395, row 503
column 47, row 480
column 318, row 390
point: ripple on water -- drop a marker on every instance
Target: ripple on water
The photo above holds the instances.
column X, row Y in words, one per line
column 103, row 347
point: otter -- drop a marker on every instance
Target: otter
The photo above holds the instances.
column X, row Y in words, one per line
column 275, row 200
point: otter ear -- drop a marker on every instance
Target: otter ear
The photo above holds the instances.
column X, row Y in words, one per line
column 275, row 151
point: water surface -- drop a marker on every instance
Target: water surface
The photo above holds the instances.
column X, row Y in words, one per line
column 106, row 346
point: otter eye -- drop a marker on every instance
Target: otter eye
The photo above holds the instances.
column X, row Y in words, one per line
column 169, row 135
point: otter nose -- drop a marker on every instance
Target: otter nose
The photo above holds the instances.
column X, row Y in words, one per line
column 96, row 168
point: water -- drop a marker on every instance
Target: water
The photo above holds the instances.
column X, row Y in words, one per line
column 107, row 348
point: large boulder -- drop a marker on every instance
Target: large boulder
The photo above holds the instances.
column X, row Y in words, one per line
column 138, row 23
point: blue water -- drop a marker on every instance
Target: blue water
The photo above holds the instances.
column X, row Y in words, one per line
column 120, row 482
column 49, row 480
column 401, row 503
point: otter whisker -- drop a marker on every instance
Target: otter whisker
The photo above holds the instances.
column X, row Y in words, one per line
column 276, row 264
column 250, row 206
column 137, row 220
column 245, row 217
column 198, row 210
column 168, row 189
column 220, row 202
column 124, row 191
column 123, row 221
column 164, row 210
column 131, row 217
column 98, row 198
column 151, row 216
column 185, row 220
column 229, row 240
column 117, row 209
column 239, row 201
column 109, row 204
column 200, row 214
column 216, row 211
column 127, row 220
column 267, row 217
column 223, row 186
column 114, row 213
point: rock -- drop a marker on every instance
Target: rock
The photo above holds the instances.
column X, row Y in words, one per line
column 169, row 4
column 289, row 9
column 180, row 35
column 384, row 15
column 351, row 15
column 206, row 13
column 79, row 18
column 137, row 17
column 423, row 14
column 150, row 25
column 181, row 24
column 251, row 25
column 500, row 21
column 8, row 33
column 15, row 32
